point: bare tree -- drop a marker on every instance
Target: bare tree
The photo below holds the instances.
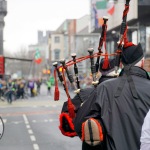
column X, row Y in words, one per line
column 17, row 66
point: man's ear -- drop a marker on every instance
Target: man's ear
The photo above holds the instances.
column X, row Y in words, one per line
column 142, row 64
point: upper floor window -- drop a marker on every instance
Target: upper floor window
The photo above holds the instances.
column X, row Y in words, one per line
column 57, row 54
column 57, row 39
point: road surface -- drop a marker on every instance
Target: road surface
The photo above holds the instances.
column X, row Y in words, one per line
column 32, row 124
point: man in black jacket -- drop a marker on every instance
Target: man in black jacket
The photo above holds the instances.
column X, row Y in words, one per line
column 121, row 105
column 73, row 127
column 106, row 74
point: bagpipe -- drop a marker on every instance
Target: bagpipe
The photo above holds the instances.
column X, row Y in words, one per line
column 75, row 110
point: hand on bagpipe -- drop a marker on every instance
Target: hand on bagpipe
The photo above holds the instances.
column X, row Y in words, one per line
column 71, row 107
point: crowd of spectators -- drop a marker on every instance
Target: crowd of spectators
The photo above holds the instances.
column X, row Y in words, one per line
column 13, row 89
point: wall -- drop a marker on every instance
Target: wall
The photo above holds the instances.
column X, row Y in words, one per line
column 82, row 23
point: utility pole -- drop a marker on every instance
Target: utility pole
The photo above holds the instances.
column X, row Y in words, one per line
column 3, row 13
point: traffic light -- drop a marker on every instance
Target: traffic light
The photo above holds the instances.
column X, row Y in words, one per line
column 48, row 71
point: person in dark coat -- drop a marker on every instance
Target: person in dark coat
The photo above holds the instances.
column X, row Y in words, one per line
column 117, row 115
column 83, row 108
column 31, row 87
column 106, row 74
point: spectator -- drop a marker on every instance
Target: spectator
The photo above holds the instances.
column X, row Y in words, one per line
column 9, row 91
column 31, row 87
column 49, row 85
column 38, row 85
column 21, row 87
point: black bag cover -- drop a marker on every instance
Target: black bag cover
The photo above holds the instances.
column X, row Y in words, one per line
column 76, row 100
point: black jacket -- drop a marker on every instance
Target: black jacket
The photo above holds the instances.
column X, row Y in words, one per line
column 88, row 97
column 84, row 93
column 84, row 110
column 120, row 111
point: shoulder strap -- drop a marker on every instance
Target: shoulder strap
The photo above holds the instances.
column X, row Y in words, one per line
column 131, row 84
column 120, row 87
column 128, row 78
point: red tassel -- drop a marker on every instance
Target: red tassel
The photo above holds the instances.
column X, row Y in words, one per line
column 106, row 62
column 128, row 44
column 56, row 95
column 71, row 108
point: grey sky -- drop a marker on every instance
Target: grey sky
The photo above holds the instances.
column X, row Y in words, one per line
column 25, row 17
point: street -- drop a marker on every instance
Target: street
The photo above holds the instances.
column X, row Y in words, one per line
column 32, row 124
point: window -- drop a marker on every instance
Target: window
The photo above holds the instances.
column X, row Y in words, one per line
column 135, row 37
column 57, row 39
column 57, row 54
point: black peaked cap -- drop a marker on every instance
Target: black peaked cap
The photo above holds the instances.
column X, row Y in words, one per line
column 132, row 54
column 110, row 68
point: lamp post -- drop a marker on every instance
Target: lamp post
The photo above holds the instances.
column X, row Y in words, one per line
column 3, row 13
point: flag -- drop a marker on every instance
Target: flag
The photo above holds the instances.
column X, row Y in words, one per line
column 37, row 57
column 99, row 10
column 111, row 8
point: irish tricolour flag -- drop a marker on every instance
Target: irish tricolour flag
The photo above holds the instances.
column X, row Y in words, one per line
column 111, row 7
column 37, row 57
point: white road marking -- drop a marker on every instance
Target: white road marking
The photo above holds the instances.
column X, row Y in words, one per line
column 4, row 120
column 35, row 106
column 34, row 121
column 25, row 119
column 50, row 120
column 35, row 146
column 45, row 120
column 16, row 122
column 28, row 126
column 30, row 131
column 32, row 137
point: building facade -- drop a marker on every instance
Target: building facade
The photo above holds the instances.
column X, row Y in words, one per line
column 73, row 36
column 57, row 46
column 43, row 47
column 137, row 19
